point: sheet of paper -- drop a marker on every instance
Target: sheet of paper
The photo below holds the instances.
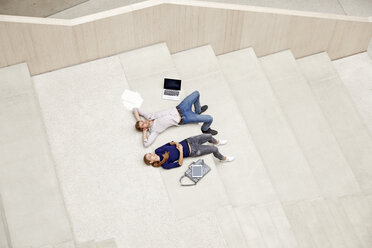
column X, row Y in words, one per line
column 131, row 99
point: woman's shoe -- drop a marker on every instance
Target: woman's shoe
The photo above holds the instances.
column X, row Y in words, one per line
column 228, row 159
column 221, row 142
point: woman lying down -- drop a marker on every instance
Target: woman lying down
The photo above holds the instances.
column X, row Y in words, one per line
column 171, row 154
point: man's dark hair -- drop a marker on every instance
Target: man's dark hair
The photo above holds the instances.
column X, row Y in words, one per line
column 138, row 126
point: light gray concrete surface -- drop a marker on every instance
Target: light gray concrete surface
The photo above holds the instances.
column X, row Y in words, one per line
column 88, row 244
column 266, row 226
column 152, row 64
column 349, row 129
column 356, row 73
column 109, row 191
column 369, row 49
column 359, row 212
column 325, row 158
column 328, row 6
column 37, row 8
column 357, row 7
column 33, row 206
column 294, row 169
column 245, row 176
column 322, row 223
column 109, row 243
column 146, row 69
column 4, row 231
column 341, row 7
column 91, row 7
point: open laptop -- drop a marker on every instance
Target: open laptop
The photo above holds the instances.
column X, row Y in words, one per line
column 172, row 89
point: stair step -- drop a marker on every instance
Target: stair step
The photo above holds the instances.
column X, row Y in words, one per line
column 314, row 224
column 4, row 232
column 351, row 133
column 68, row 244
column 283, row 226
column 322, row 223
column 270, row 131
column 325, row 159
column 230, row 227
column 331, row 228
column 301, row 230
column 344, row 224
column 266, row 226
column 245, row 179
column 359, row 212
column 32, row 201
column 88, row 244
column 356, row 74
column 109, row 243
column 15, row 80
column 250, row 229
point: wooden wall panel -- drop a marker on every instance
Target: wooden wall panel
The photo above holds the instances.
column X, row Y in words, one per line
column 266, row 32
column 13, row 42
column 86, row 41
column 47, row 44
column 52, row 47
column 349, row 38
column 150, row 25
column 183, row 27
column 3, row 40
column 308, row 35
column 118, row 38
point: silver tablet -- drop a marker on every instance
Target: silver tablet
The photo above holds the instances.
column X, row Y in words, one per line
column 196, row 170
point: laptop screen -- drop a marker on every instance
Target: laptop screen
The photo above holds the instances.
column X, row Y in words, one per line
column 172, row 84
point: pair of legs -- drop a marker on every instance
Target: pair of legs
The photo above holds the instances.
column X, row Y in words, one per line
column 198, row 149
column 189, row 116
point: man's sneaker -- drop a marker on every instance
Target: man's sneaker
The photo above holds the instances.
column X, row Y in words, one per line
column 203, row 109
column 211, row 131
column 228, row 159
column 221, row 142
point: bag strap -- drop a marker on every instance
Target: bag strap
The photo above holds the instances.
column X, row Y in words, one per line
column 182, row 184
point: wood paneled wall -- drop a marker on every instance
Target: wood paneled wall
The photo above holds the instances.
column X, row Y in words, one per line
column 49, row 44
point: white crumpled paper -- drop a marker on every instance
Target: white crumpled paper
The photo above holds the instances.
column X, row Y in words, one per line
column 131, row 99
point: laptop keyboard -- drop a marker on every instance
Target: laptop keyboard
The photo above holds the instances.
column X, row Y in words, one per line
column 171, row 92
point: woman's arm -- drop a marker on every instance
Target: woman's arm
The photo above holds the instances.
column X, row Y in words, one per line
column 180, row 149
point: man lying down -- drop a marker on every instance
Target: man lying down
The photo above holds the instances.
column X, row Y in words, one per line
column 156, row 123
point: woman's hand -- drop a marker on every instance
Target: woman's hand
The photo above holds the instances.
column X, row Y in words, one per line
column 179, row 147
column 166, row 155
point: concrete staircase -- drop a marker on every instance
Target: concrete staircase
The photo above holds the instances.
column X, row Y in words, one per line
column 4, row 230
column 109, row 243
column 32, row 209
column 281, row 109
column 302, row 175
